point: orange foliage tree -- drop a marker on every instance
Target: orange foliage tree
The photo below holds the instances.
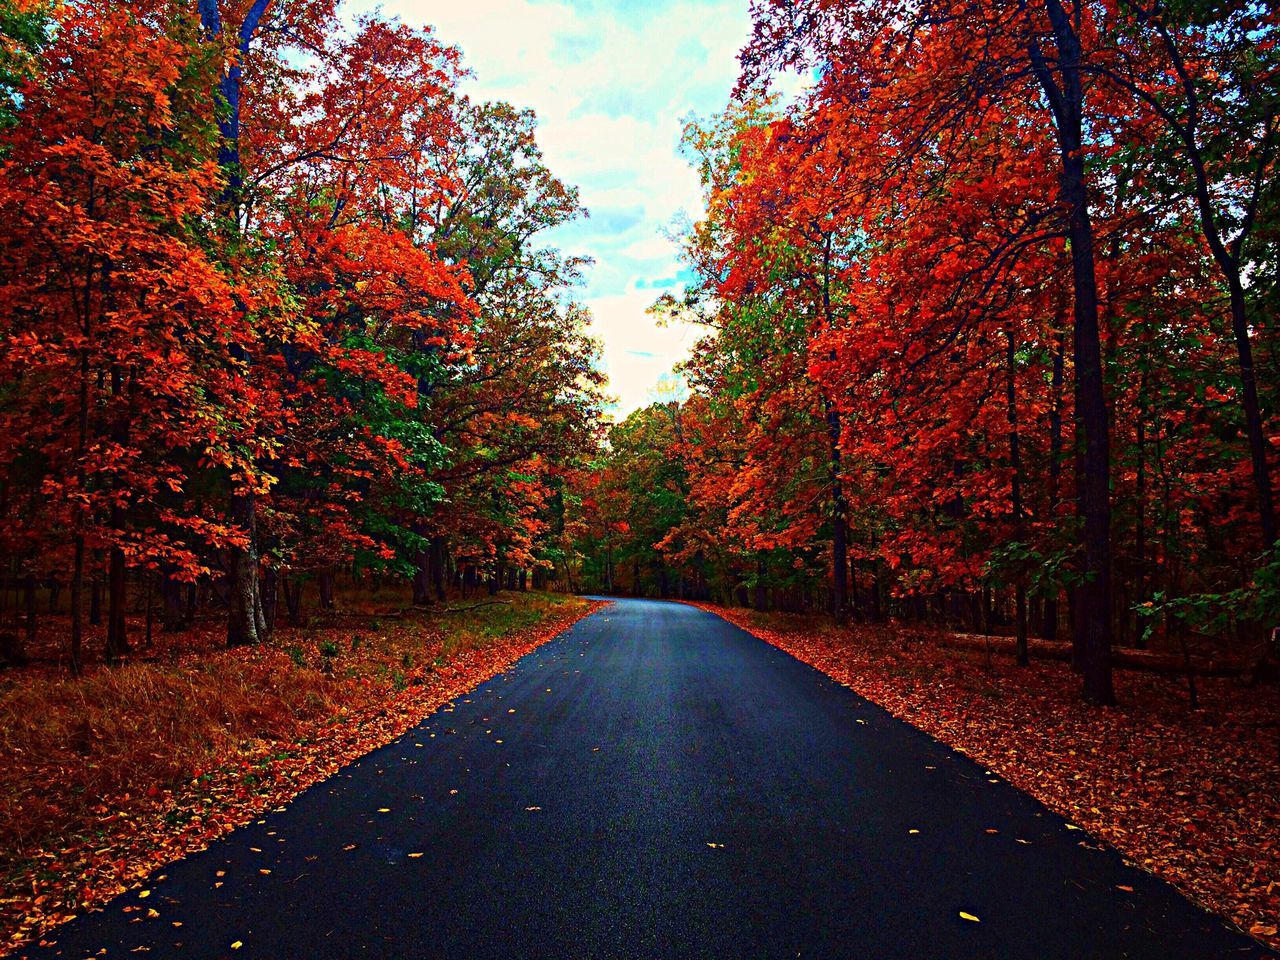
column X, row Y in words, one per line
column 973, row 328
column 274, row 309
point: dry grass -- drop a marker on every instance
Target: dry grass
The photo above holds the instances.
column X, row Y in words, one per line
column 73, row 743
column 120, row 762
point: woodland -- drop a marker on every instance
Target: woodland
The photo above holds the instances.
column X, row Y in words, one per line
column 991, row 335
column 304, row 432
column 275, row 312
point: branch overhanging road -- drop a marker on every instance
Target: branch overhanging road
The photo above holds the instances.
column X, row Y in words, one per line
column 657, row 783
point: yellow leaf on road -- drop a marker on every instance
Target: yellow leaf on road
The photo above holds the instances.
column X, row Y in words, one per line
column 969, row 916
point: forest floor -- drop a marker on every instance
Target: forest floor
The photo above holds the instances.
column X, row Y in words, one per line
column 1191, row 796
column 107, row 777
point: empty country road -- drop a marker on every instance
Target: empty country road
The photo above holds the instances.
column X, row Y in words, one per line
column 657, row 783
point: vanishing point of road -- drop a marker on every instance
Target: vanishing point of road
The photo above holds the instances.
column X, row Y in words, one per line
column 657, row 783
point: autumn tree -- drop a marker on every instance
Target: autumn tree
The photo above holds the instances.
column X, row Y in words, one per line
column 114, row 316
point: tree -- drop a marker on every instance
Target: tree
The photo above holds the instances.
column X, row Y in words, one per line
column 111, row 305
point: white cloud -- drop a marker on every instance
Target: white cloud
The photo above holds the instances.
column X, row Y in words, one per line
column 638, row 352
column 611, row 81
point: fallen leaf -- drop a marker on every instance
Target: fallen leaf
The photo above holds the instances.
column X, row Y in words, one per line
column 964, row 915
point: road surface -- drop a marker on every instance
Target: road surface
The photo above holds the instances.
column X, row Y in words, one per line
column 657, row 783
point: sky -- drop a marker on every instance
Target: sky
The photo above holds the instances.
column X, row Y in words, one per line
column 611, row 82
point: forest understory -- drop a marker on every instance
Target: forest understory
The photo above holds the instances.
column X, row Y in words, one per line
column 112, row 775
column 1190, row 795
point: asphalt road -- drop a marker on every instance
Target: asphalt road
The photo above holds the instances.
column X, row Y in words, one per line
column 657, row 783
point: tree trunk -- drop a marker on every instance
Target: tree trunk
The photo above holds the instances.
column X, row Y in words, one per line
column 839, row 510
column 174, row 612
column 325, row 581
column 117, row 643
column 150, row 618
column 437, row 566
column 422, row 580
column 1067, row 104
column 1140, row 495
column 1252, row 411
column 1019, row 516
column 270, row 598
column 1230, row 257
column 95, row 595
column 245, row 622
column 242, row 619
column 293, row 599
column 839, row 524
column 13, row 646
column 426, row 572
column 77, row 600
column 29, row 602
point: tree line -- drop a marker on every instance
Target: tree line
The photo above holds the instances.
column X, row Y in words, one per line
column 273, row 305
column 991, row 334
